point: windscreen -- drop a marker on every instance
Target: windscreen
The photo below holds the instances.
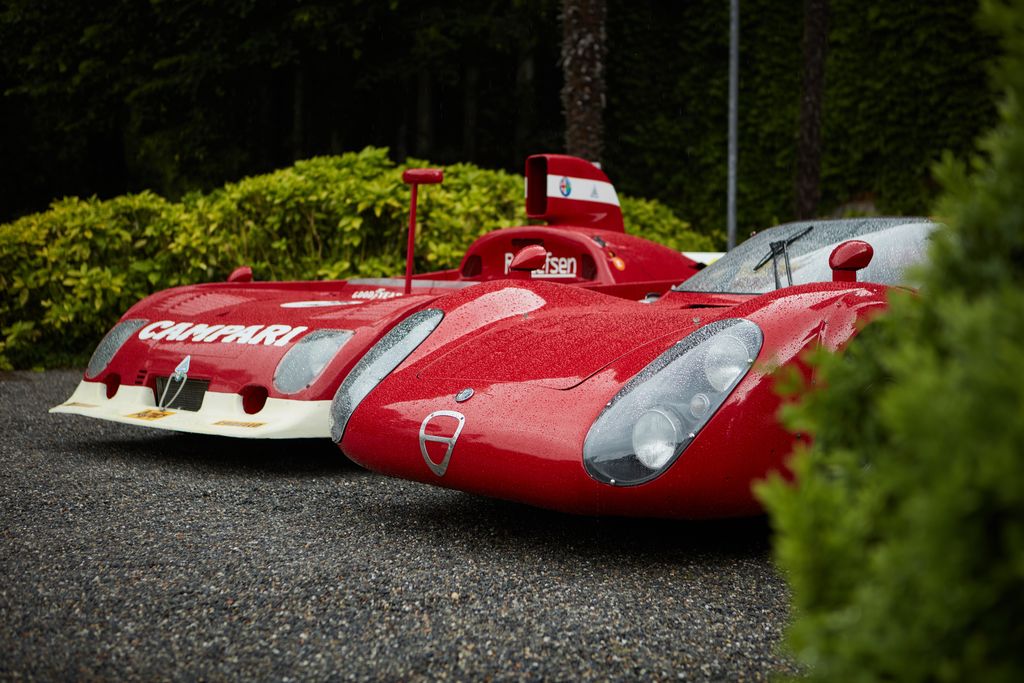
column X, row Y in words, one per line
column 751, row 268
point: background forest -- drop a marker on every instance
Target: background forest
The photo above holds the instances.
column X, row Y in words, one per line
column 117, row 96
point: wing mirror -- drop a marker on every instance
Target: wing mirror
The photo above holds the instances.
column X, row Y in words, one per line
column 529, row 258
column 848, row 258
column 241, row 274
column 422, row 176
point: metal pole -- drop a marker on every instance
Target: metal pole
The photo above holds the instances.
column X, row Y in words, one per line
column 734, row 77
column 412, row 239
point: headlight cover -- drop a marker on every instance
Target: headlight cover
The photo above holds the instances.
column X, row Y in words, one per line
column 660, row 411
column 304, row 362
column 383, row 357
column 111, row 344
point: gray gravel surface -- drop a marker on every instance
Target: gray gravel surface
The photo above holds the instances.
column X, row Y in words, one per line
column 128, row 553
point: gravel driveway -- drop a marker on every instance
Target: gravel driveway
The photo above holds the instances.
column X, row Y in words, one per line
column 128, row 553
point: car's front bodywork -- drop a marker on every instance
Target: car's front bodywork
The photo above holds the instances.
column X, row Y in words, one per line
column 257, row 360
column 601, row 406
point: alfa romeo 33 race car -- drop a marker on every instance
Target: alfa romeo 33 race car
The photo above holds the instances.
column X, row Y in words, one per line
column 569, row 399
column 264, row 359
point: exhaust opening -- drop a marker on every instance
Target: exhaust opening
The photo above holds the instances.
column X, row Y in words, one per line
column 113, row 383
column 254, row 397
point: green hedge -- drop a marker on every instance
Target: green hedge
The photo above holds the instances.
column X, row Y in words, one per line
column 903, row 537
column 68, row 273
column 903, row 82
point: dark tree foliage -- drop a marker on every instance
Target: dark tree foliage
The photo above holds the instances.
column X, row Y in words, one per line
column 808, row 150
column 119, row 95
column 904, row 81
column 584, row 51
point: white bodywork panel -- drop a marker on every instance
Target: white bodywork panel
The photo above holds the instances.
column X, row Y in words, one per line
column 221, row 413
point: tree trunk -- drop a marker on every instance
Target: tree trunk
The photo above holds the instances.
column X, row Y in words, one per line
column 469, row 112
column 808, row 163
column 526, row 109
column 268, row 141
column 424, row 115
column 401, row 144
column 583, row 93
column 299, row 114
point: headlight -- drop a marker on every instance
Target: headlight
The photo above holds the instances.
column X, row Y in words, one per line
column 660, row 411
column 304, row 362
column 727, row 358
column 655, row 436
column 379, row 361
column 111, row 344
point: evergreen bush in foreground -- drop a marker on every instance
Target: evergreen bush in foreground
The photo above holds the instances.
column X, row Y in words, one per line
column 903, row 536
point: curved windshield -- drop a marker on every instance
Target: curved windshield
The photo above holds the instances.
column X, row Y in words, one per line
column 759, row 265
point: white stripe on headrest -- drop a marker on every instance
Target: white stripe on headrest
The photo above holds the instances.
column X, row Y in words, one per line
column 582, row 189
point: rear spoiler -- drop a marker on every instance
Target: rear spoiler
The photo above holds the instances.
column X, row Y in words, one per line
column 565, row 190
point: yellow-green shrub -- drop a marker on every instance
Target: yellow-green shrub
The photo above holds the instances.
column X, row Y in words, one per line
column 68, row 273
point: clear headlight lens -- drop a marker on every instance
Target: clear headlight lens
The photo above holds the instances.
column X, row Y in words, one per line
column 379, row 361
column 655, row 436
column 660, row 411
column 304, row 362
column 111, row 344
column 726, row 360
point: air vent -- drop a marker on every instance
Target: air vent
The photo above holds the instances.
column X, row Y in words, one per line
column 187, row 397
column 588, row 269
column 473, row 267
column 193, row 303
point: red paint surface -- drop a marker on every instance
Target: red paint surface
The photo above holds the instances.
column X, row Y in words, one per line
column 551, row 373
column 576, row 258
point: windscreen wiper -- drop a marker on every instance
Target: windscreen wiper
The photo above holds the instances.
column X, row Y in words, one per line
column 781, row 248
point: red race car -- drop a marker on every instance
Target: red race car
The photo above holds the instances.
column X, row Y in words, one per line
column 264, row 359
column 569, row 399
